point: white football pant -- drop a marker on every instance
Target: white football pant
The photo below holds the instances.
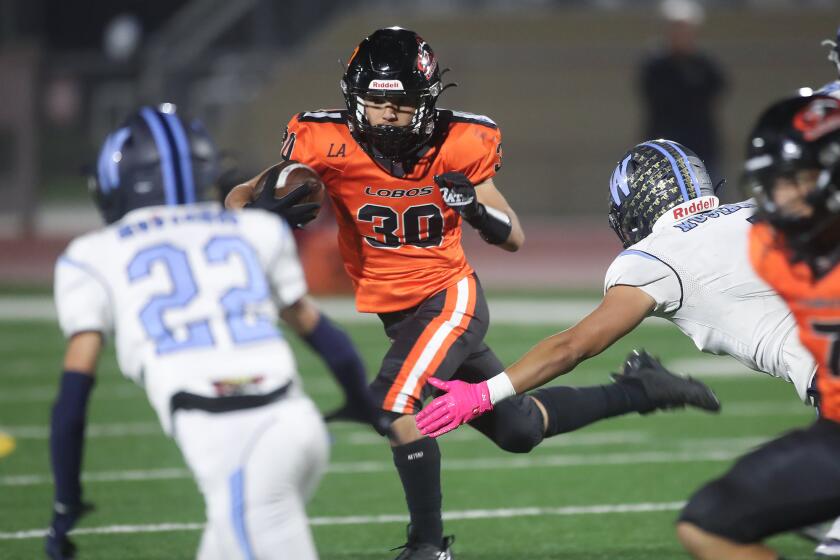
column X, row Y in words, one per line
column 256, row 469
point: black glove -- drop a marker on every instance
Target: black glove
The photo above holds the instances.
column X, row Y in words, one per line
column 58, row 546
column 297, row 215
column 459, row 194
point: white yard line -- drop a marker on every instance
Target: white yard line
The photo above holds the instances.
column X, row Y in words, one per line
column 502, row 310
column 470, row 514
column 482, row 463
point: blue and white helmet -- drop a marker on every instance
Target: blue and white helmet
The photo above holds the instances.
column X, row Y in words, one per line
column 154, row 158
column 655, row 183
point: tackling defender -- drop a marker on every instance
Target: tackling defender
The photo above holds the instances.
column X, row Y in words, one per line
column 191, row 293
column 793, row 170
column 684, row 261
column 402, row 176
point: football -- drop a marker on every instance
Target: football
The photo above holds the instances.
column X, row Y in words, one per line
column 290, row 176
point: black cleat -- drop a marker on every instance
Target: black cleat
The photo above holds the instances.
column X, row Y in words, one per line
column 665, row 389
column 425, row 551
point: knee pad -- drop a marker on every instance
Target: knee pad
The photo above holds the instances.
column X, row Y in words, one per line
column 519, row 427
column 383, row 423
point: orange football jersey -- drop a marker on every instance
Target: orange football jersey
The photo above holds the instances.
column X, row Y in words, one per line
column 814, row 302
column 399, row 241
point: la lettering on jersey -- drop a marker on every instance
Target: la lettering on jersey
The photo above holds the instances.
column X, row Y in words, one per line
column 815, row 303
column 399, row 241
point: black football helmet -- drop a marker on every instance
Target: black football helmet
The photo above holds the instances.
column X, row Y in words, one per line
column 651, row 179
column 392, row 62
column 154, row 158
column 793, row 135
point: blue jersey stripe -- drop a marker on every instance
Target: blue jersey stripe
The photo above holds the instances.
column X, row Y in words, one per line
column 688, row 165
column 638, row 253
column 165, row 151
column 237, row 506
column 674, row 165
column 182, row 145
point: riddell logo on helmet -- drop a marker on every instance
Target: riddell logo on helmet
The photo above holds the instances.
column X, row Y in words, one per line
column 391, row 85
column 698, row 205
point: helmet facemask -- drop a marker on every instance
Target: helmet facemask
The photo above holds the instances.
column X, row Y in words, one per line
column 392, row 141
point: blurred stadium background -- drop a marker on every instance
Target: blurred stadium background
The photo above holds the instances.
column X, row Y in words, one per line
column 560, row 78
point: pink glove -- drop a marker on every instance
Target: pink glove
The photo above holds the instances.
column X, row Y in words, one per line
column 461, row 403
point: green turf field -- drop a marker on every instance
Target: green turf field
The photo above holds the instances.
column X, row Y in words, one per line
column 503, row 506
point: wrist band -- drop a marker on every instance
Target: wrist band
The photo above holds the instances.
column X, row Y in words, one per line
column 493, row 225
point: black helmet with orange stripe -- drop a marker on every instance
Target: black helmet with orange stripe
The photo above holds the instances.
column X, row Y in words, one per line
column 793, row 171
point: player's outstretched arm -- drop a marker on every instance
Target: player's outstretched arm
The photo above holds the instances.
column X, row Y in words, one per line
column 621, row 310
column 67, row 432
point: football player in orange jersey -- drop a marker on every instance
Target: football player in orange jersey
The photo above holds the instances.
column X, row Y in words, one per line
column 793, row 170
column 402, row 175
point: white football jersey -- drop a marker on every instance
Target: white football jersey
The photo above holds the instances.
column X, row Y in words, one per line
column 698, row 272
column 191, row 295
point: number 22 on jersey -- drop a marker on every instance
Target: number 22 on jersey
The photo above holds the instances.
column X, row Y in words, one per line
column 219, row 251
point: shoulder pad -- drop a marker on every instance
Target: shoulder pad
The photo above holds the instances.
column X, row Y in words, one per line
column 323, row 116
column 472, row 118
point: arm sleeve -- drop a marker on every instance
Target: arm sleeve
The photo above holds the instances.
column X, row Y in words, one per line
column 649, row 274
column 82, row 297
column 482, row 148
column 285, row 273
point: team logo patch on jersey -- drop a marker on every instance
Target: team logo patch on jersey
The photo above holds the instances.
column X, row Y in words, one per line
column 239, row 386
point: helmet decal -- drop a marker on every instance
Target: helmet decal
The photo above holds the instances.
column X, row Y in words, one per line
column 110, row 156
column 165, row 152
column 184, row 161
column 676, row 167
column 817, row 118
column 618, row 182
column 426, row 62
